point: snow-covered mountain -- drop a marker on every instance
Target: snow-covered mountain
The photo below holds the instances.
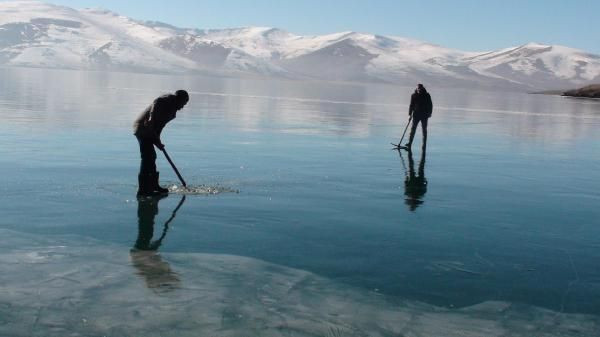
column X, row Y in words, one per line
column 37, row 34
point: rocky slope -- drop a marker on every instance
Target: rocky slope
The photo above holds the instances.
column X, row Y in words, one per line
column 590, row 91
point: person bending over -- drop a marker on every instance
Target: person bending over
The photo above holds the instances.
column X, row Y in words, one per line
column 147, row 129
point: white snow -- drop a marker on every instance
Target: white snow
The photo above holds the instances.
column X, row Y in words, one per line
column 24, row 11
column 107, row 40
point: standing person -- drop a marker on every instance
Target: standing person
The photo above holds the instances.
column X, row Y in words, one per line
column 420, row 110
column 147, row 129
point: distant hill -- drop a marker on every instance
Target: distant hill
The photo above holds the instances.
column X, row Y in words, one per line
column 590, row 91
column 38, row 34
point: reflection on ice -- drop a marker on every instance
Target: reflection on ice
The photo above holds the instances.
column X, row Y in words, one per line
column 144, row 257
column 70, row 286
column 415, row 184
column 156, row 272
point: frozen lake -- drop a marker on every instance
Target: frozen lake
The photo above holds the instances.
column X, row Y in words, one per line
column 317, row 233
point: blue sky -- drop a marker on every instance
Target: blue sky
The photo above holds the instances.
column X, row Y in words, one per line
column 462, row 24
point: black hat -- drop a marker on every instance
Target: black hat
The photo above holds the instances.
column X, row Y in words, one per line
column 182, row 94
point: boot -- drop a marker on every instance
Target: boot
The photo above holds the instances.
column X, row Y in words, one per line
column 156, row 187
column 145, row 187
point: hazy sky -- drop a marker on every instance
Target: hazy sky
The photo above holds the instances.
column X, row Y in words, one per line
column 463, row 24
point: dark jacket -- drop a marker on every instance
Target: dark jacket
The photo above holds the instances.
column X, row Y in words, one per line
column 420, row 105
column 150, row 123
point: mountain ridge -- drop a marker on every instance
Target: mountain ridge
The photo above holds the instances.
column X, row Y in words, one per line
column 37, row 34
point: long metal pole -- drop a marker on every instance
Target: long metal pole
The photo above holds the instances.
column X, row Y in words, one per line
column 406, row 128
column 174, row 167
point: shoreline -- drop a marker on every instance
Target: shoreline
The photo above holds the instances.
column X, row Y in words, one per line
column 588, row 92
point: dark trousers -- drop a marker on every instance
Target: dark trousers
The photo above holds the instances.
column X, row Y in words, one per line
column 148, row 154
column 413, row 130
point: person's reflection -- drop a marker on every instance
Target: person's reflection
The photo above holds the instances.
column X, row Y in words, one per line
column 144, row 256
column 415, row 183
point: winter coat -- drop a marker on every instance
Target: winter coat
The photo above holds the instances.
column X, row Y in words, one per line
column 420, row 105
column 150, row 123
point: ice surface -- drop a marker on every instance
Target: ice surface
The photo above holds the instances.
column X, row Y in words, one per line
column 200, row 189
column 71, row 286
